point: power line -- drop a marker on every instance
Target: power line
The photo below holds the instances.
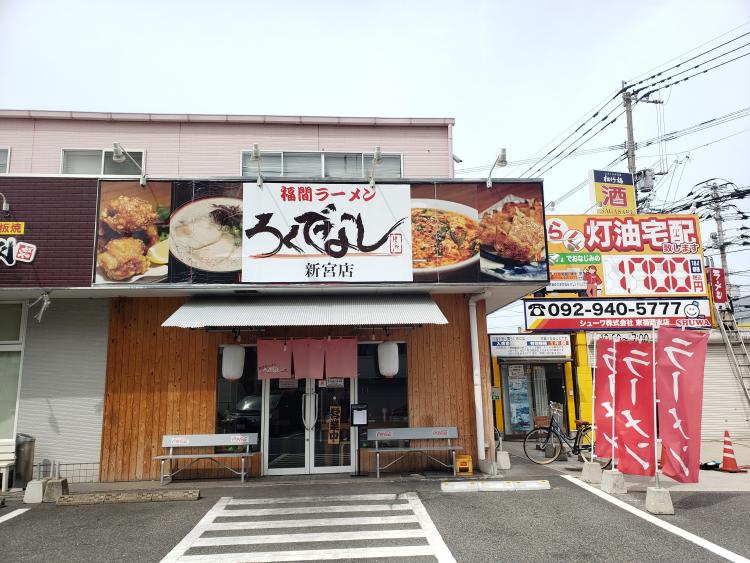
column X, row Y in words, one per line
column 544, row 164
column 578, row 187
column 581, row 126
column 585, row 152
column 724, row 54
column 647, row 94
column 691, row 50
column 713, row 122
column 643, row 144
column 593, row 109
column 550, row 166
column 539, row 170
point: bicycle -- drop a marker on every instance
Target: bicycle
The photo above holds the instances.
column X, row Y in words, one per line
column 544, row 445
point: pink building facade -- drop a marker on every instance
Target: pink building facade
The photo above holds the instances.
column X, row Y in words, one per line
column 33, row 142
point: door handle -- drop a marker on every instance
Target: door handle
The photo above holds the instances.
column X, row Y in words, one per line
column 304, row 411
column 315, row 419
column 306, row 415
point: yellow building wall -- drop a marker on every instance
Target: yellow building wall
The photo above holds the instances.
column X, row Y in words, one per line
column 498, row 382
column 571, row 399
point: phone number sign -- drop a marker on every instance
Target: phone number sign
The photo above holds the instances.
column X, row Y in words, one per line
column 615, row 314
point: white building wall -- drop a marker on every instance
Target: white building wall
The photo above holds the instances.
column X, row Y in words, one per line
column 62, row 381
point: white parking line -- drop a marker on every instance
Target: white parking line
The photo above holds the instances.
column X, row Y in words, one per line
column 704, row 543
column 13, row 514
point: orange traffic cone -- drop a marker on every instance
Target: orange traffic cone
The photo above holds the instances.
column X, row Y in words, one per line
column 729, row 463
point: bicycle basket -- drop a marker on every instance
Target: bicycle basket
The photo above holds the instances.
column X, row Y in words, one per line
column 541, row 421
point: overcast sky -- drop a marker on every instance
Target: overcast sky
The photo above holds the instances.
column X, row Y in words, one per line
column 513, row 74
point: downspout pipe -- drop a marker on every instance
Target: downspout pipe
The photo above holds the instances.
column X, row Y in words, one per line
column 475, row 365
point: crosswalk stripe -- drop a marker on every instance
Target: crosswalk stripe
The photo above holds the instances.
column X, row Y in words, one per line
column 315, row 509
column 312, row 523
column 300, row 538
column 295, row 500
column 406, row 518
column 314, row 554
column 434, row 538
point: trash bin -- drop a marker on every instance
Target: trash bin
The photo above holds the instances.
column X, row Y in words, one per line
column 24, row 469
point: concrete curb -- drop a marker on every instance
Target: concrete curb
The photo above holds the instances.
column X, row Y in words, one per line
column 115, row 497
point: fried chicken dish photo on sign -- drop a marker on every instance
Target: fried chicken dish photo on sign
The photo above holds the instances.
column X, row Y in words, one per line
column 132, row 237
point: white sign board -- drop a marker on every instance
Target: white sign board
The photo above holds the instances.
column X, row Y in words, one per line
column 616, row 314
column 338, row 233
column 530, row 345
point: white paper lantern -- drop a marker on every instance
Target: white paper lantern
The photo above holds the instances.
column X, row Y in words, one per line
column 388, row 359
column 232, row 362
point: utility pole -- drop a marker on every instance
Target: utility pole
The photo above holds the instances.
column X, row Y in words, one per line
column 719, row 228
column 627, row 102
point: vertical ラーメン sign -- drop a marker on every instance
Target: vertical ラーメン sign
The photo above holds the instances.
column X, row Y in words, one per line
column 680, row 367
column 337, row 233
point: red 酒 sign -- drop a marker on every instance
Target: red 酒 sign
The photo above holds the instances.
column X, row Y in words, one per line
column 680, row 361
column 634, row 406
column 718, row 283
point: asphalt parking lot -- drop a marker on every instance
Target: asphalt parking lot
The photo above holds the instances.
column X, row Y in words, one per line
column 564, row 523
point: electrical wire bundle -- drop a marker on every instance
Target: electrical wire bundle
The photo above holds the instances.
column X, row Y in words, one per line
column 606, row 113
column 707, row 198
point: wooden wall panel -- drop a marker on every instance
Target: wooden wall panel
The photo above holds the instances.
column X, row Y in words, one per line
column 163, row 381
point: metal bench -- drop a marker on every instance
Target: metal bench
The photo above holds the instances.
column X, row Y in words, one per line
column 204, row 441
column 447, row 433
column 7, row 461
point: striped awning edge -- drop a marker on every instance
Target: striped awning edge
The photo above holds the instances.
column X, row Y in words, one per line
column 336, row 310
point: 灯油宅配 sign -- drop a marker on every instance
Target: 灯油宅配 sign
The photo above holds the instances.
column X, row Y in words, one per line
column 613, row 192
column 530, row 345
column 616, row 314
column 12, row 250
column 326, row 233
column 600, row 256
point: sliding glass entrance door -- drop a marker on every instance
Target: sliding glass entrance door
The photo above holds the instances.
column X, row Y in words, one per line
column 307, row 426
column 286, row 443
column 332, row 436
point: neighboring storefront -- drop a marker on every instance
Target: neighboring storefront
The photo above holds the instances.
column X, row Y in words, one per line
column 229, row 306
column 529, row 372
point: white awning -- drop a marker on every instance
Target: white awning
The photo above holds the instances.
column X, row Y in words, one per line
column 338, row 310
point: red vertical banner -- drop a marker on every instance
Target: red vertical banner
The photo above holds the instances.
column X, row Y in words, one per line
column 634, row 406
column 604, row 388
column 680, row 361
column 718, row 283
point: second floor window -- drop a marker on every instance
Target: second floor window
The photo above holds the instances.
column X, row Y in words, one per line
column 4, row 157
column 320, row 165
column 98, row 163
